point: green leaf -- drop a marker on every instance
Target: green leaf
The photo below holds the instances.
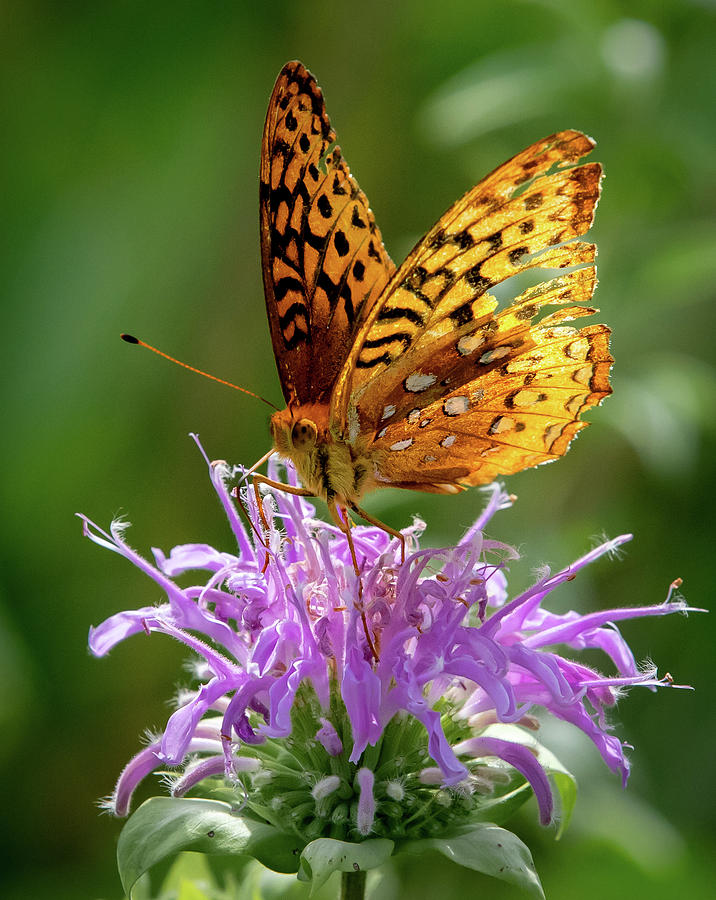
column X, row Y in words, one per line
column 324, row 856
column 487, row 849
column 567, row 788
column 562, row 778
column 142, row 889
column 163, row 826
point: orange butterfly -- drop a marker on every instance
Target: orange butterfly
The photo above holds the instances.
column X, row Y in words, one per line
column 411, row 377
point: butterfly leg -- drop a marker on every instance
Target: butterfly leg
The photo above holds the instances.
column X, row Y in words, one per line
column 279, row 486
column 245, row 513
column 383, row 527
column 339, row 514
column 243, row 509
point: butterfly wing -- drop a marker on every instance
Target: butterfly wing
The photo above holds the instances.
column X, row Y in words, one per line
column 520, row 413
column 324, row 264
column 453, row 390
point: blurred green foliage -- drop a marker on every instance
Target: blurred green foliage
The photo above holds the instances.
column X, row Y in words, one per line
column 131, row 140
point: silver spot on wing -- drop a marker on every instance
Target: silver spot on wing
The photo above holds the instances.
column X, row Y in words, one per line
column 453, row 406
column 419, row 381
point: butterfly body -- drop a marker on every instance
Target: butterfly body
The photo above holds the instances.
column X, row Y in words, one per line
column 418, row 377
column 327, row 465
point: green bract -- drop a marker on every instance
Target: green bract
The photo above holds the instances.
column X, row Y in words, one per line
column 163, row 827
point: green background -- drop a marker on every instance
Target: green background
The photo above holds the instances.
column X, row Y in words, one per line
column 131, row 145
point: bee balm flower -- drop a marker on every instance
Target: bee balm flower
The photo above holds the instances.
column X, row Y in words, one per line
column 398, row 704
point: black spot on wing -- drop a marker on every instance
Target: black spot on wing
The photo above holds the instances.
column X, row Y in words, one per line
column 526, row 312
column 461, row 239
column 347, row 297
column 477, row 280
column 330, row 287
column 356, row 220
column 317, row 241
column 401, row 337
column 494, row 241
column 534, row 201
column 341, row 244
column 279, row 195
column 286, row 284
column 517, row 254
column 373, row 252
column 415, row 279
column 324, row 206
column 281, row 148
column 463, row 314
column 400, row 312
column 292, row 313
column 302, row 191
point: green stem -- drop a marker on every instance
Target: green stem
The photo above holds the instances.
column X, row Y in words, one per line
column 353, row 886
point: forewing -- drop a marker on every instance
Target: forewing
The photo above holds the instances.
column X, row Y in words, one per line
column 324, row 263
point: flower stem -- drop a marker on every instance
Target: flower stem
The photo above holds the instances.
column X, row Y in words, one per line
column 353, row 886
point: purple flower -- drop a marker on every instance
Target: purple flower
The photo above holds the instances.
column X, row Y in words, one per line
column 286, row 667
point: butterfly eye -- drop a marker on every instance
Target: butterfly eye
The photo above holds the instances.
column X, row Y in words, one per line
column 303, row 434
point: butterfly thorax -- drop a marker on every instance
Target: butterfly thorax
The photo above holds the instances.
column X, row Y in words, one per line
column 326, row 464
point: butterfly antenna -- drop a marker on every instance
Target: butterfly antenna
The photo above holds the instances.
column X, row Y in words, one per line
column 130, row 339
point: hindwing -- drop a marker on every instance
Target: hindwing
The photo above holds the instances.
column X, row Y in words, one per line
column 454, row 386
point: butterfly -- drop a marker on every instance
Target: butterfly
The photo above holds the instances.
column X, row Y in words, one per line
column 412, row 377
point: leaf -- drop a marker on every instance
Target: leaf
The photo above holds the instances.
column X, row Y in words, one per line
column 163, row 826
column 562, row 778
column 488, row 849
column 324, row 856
column 567, row 788
column 142, row 889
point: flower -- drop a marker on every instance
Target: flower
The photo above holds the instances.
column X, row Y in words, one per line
column 348, row 706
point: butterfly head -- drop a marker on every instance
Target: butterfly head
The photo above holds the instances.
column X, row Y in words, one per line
column 295, row 431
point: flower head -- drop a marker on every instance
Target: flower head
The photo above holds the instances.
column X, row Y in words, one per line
column 395, row 702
